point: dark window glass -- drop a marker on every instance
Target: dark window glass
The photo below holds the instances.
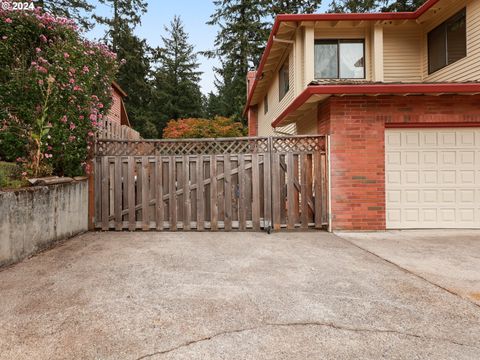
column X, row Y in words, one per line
column 447, row 43
column 265, row 104
column 344, row 59
column 284, row 80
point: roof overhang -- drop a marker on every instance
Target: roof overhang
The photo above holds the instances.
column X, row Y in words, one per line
column 285, row 22
column 314, row 94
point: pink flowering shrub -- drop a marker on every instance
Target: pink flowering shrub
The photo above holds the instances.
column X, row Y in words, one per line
column 54, row 88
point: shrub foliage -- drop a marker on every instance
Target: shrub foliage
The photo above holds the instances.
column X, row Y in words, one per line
column 203, row 128
column 54, row 88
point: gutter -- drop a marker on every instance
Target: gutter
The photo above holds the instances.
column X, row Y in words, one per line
column 377, row 89
column 329, row 17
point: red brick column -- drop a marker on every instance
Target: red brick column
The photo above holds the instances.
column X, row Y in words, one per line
column 253, row 121
column 357, row 162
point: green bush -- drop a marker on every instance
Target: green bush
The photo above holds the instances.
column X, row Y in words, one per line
column 54, row 88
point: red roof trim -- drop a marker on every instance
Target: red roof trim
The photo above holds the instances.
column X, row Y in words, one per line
column 326, row 17
column 377, row 89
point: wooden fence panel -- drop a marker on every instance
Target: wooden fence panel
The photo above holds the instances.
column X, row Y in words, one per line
column 226, row 184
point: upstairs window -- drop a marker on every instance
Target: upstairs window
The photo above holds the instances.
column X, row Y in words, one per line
column 447, row 43
column 283, row 80
column 265, row 104
column 339, row 59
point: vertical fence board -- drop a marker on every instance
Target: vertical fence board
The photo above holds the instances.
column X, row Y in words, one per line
column 213, row 194
column 118, row 194
column 187, row 206
column 291, row 216
column 227, row 168
column 172, row 204
column 303, row 191
column 267, row 191
column 159, row 213
column 105, row 193
column 200, row 195
column 317, row 180
column 242, row 216
column 131, row 193
column 145, row 194
column 255, row 192
column 277, row 201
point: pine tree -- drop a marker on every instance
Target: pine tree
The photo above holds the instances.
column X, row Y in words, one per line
column 78, row 10
column 292, row 6
column 125, row 13
column 176, row 80
column 402, row 5
column 133, row 77
column 360, row 6
column 354, row 6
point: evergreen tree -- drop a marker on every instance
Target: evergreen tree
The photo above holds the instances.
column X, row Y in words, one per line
column 360, row 6
column 292, row 6
column 125, row 13
column 353, row 6
column 133, row 77
column 176, row 80
column 402, row 5
column 78, row 10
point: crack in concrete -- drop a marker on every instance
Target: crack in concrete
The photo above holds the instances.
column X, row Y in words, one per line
column 321, row 324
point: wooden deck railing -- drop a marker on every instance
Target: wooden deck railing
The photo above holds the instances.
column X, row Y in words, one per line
column 114, row 131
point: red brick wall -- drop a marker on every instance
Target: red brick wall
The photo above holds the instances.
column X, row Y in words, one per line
column 253, row 121
column 357, row 128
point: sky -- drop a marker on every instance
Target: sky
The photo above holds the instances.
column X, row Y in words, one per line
column 194, row 14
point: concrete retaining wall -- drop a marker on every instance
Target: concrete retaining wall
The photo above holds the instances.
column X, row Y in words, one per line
column 31, row 219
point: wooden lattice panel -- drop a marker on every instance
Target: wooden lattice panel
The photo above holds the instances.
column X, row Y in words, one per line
column 182, row 147
column 298, row 144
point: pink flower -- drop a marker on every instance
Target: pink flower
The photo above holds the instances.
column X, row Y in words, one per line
column 48, row 156
column 72, row 126
column 77, row 88
column 86, row 69
column 93, row 117
column 71, row 81
column 24, row 173
column 8, row 20
column 66, row 55
column 42, row 69
column 90, row 133
column 64, row 119
column 43, row 38
column 4, row 37
column 100, row 106
column 81, row 117
column 71, row 138
column 40, row 82
column 49, row 147
column 38, row 50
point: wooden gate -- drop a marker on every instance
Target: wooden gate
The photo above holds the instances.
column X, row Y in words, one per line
column 211, row 184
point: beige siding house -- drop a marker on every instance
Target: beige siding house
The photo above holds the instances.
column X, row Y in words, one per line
column 399, row 95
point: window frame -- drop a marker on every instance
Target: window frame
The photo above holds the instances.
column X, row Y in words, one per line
column 460, row 14
column 338, row 42
column 280, row 95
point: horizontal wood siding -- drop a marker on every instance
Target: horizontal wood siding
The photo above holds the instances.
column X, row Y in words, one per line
column 402, row 54
column 275, row 106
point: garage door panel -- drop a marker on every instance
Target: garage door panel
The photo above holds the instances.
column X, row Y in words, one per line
column 433, row 178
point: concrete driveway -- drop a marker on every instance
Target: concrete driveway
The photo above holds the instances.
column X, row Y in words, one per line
column 226, row 296
column 447, row 258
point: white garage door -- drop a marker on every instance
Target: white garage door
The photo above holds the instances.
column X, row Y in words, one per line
column 433, row 178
